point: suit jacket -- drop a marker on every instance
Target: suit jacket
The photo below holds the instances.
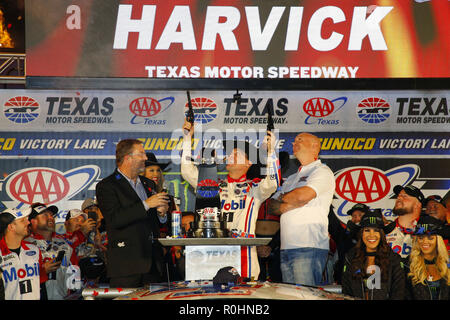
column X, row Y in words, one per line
column 132, row 231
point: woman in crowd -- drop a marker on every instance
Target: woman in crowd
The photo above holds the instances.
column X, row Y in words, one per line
column 429, row 275
column 154, row 171
column 372, row 271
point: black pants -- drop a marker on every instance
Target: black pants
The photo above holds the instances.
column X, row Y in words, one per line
column 136, row 280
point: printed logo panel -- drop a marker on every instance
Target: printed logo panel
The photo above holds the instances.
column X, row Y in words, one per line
column 145, row 108
column 205, row 109
column 363, row 185
column 208, row 188
column 47, row 185
column 38, row 185
column 373, row 110
column 371, row 186
column 318, row 109
column 21, row 109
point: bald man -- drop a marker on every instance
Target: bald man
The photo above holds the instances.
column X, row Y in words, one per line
column 303, row 203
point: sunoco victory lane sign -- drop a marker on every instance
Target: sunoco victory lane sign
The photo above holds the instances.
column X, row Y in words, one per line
column 237, row 39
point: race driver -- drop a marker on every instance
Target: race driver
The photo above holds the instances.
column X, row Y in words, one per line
column 240, row 197
column 21, row 263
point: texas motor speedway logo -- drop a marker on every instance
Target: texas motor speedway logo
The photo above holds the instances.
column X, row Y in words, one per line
column 21, row 109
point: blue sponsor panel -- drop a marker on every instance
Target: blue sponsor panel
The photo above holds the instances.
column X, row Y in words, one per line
column 167, row 144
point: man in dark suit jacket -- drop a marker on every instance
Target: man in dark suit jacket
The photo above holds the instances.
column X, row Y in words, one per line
column 131, row 208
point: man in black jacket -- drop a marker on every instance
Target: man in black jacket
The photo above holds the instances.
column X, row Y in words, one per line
column 131, row 208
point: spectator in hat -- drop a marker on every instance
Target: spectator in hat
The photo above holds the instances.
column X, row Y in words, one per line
column 345, row 235
column 83, row 233
column 90, row 207
column 407, row 208
column 74, row 220
column 154, row 171
column 434, row 206
column 42, row 226
column 429, row 273
column 371, row 270
column 76, row 234
column 16, row 254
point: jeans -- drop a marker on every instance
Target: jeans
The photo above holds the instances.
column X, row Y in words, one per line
column 303, row 265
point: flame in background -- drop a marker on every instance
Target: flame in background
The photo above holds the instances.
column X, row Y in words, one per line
column 5, row 38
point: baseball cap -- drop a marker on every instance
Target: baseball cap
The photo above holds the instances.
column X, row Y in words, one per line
column 372, row 219
column 434, row 197
column 75, row 213
column 428, row 225
column 410, row 190
column 40, row 209
column 9, row 215
column 359, row 206
column 226, row 276
column 91, row 267
column 89, row 202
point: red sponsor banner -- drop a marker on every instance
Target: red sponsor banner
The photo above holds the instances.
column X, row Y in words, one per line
column 238, row 39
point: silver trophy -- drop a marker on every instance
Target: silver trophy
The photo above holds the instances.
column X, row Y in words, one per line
column 210, row 223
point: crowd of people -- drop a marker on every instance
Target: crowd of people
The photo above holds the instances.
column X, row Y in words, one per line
column 112, row 239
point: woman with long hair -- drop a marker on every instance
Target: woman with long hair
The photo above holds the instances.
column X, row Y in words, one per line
column 154, row 171
column 372, row 271
column 429, row 274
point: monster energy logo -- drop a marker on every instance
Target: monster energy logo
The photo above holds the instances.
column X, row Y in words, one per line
column 422, row 228
column 372, row 220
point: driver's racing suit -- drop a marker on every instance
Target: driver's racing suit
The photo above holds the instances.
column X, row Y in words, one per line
column 240, row 202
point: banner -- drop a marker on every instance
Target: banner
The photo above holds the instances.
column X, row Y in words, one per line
column 237, row 39
column 55, row 146
column 163, row 111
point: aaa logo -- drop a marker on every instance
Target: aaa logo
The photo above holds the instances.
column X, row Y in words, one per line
column 48, row 185
column 38, row 185
column 362, row 185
